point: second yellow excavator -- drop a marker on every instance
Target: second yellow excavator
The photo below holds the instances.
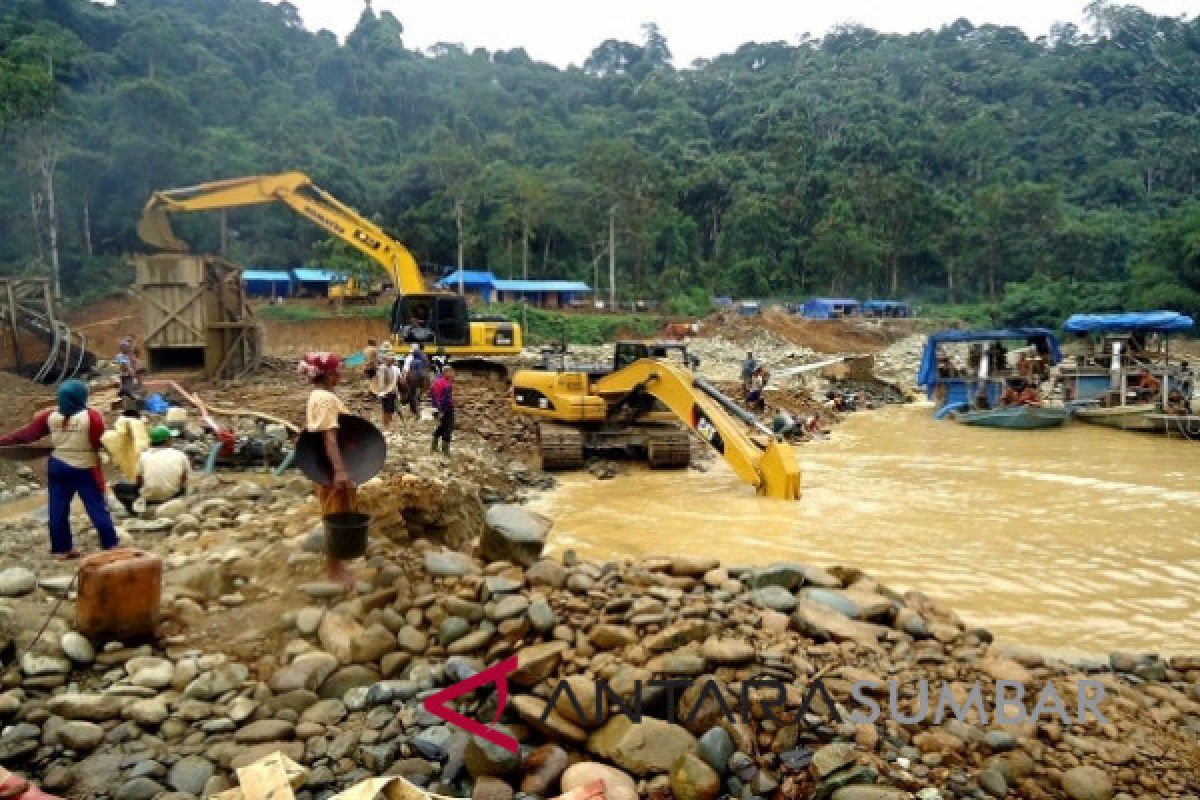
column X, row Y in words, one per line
column 439, row 320
column 637, row 405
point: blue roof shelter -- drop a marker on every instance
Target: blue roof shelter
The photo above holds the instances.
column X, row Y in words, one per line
column 267, row 282
column 314, row 281
column 830, row 307
column 541, row 293
column 473, row 281
column 954, row 390
column 886, row 308
column 1130, row 322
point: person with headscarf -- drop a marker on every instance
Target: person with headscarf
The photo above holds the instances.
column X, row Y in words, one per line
column 323, row 371
column 74, row 466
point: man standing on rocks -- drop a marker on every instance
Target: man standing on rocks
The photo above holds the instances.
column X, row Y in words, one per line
column 324, row 371
column 414, row 373
column 442, row 395
column 386, row 386
column 749, row 367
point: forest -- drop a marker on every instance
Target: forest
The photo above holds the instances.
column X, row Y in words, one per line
column 965, row 165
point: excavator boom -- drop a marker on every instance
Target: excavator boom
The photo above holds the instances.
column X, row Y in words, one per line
column 297, row 191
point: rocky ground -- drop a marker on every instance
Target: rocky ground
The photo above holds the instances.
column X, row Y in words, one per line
column 256, row 652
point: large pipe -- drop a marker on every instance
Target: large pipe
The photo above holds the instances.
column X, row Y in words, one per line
column 730, row 406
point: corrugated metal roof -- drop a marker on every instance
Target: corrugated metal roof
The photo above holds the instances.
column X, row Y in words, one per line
column 266, row 275
column 542, row 286
column 469, row 277
column 315, row 275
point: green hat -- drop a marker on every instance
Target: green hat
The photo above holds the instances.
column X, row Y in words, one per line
column 160, row 434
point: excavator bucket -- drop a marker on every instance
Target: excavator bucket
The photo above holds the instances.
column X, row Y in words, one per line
column 155, row 229
column 780, row 472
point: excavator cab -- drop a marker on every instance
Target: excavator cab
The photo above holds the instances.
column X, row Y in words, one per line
column 432, row 318
column 627, row 352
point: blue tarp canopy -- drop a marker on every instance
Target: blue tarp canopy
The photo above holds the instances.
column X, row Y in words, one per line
column 541, row 286
column 314, row 275
column 825, row 307
column 1043, row 338
column 1142, row 321
column 470, row 277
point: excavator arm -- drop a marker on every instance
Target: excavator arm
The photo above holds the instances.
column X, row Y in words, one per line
column 297, row 192
column 771, row 468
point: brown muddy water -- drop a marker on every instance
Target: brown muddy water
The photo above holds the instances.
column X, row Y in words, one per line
column 1079, row 541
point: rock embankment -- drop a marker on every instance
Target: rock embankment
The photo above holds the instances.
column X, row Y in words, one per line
column 719, row 660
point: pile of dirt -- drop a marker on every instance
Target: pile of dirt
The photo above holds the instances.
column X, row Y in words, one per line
column 823, row 336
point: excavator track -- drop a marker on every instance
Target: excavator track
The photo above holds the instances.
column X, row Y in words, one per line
column 669, row 450
column 561, row 446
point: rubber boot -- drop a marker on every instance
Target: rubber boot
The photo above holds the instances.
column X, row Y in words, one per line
column 445, row 448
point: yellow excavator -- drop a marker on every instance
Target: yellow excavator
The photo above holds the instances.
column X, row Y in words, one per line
column 636, row 407
column 438, row 320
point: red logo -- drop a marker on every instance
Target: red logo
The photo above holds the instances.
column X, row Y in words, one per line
column 436, row 703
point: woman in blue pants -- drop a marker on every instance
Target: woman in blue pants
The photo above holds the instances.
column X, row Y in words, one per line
column 73, row 468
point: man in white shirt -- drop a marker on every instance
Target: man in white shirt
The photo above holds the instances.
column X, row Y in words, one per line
column 386, row 386
column 162, row 471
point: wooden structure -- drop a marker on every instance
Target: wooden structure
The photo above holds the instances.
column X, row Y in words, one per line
column 36, row 342
column 196, row 315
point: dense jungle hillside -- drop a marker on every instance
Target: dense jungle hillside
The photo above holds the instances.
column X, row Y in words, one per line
column 960, row 165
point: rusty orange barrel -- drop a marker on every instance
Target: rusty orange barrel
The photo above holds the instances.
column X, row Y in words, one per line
column 120, row 592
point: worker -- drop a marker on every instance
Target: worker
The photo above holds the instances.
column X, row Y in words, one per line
column 442, row 394
column 162, row 470
column 1029, row 396
column 73, row 467
column 1147, row 386
column 324, row 372
column 749, row 367
column 783, row 423
column 1177, row 404
column 1012, row 394
column 370, row 359
column 415, row 374
column 128, row 364
column 754, row 396
column 386, row 386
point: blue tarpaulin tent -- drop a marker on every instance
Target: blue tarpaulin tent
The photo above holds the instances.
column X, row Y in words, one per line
column 1042, row 338
column 315, row 281
column 267, row 282
column 830, row 307
column 885, row 308
column 1143, row 321
column 477, row 282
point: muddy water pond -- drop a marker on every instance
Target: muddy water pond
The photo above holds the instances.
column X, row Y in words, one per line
column 1079, row 540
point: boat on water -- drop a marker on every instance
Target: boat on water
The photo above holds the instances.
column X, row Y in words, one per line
column 1016, row 417
column 974, row 377
column 1123, row 376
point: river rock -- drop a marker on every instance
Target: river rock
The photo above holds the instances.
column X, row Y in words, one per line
column 514, row 534
column 490, row 788
column 870, row 793
column 190, row 774
column 537, row 663
column 34, row 665
column 785, row 576
column 643, row 748
column 775, row 598
column 1087, row 783
column 80, row 736
column 509, row 607
column 308, row 671
column 831, row 758
column 346, row 678
column 77, row 648
column 541, row 616
column 728, row 652
column 487, row 758
column 91, row 707
column 543, row 768
column 264, row 730
column 611, row 637
column 448, row 563
column 677, row 635
column 547, row 573
column 140, row 789
column 150, row 672
column 149, row 712
column 992, row 781
column 693, row 779
column 452, row 629
column 532, row 710
column 17, row 581
column 213, row 683
column 716, row 747
column 617, row 784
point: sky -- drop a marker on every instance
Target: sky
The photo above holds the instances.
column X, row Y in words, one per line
column 564, row 32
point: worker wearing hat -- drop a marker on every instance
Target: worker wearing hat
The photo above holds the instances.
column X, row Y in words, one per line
column 162, row 471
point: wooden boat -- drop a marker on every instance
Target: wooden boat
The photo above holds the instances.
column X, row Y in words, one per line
column 1021, row 418
column 1132, row 417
